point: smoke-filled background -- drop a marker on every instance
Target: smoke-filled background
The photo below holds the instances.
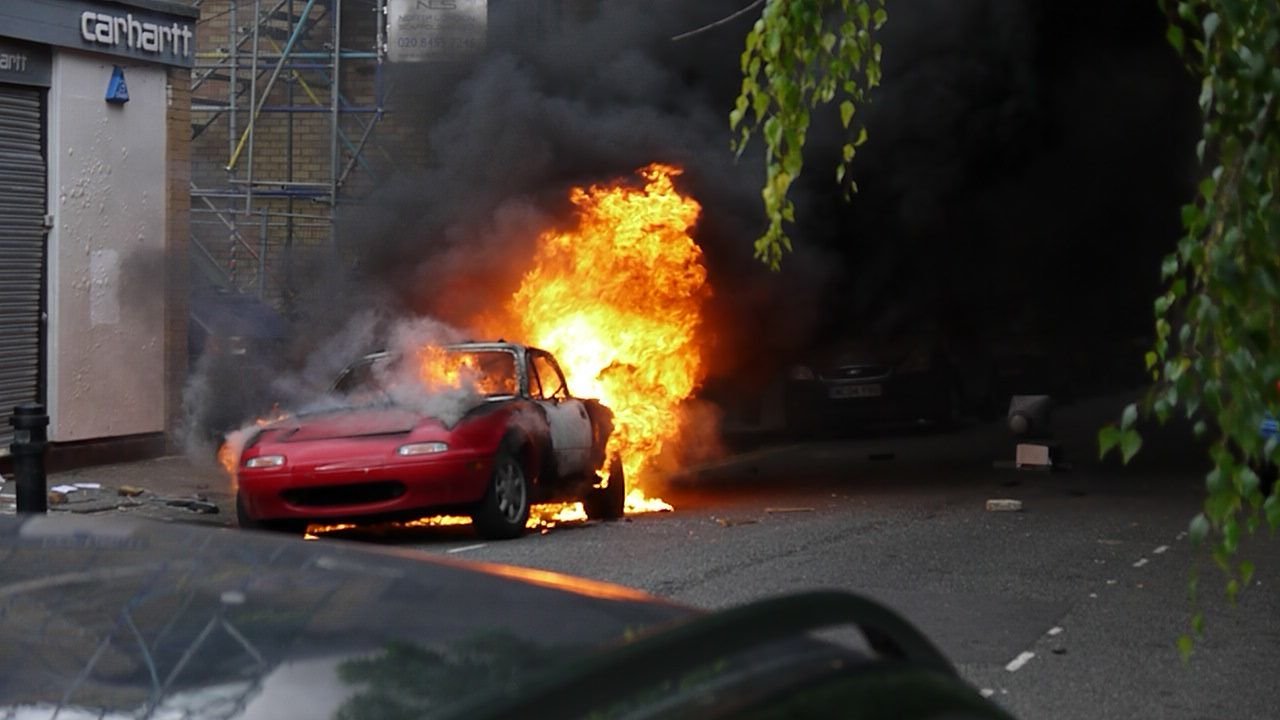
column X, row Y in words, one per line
column 1025, row 165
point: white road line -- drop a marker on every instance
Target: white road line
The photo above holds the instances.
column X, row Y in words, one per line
column 1161, row 550
column 1141, row 562
column 466, row 548
column 1017, row 663
column 1055, row 631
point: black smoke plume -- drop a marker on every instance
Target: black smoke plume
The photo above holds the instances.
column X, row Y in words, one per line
column 1026, row 162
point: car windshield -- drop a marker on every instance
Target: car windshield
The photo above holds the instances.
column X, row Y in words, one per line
column 491, row 373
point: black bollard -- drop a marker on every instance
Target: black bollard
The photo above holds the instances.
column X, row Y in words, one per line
column 30, row 437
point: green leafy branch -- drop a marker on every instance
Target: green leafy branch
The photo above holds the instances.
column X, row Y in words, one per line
column 1216, row 356
column 801, row 54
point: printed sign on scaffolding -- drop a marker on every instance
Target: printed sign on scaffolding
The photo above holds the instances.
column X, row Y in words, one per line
column 436, row 31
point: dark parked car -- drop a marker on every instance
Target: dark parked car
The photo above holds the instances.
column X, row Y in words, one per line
column 506, row 434
column 110, row 618
column 875, row 380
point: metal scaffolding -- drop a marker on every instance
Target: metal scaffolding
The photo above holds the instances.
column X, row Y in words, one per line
column 286, row 97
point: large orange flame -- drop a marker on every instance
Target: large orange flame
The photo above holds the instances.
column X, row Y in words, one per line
column 617, row 301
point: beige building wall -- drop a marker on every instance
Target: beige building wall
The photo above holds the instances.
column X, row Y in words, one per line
column 107, row 268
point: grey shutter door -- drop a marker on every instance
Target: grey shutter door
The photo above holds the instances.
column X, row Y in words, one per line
column 22, row 255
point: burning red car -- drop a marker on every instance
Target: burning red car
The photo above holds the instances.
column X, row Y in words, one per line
column 480, row 429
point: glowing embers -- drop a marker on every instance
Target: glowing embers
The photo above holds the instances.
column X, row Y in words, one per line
column 543, row 516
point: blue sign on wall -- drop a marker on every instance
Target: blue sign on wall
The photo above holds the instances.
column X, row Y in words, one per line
column 117, row 90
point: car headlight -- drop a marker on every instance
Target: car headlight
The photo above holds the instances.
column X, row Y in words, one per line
column 422, row 448
column 800, row 372
column 265, row 461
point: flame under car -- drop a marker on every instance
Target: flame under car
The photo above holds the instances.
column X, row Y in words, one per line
column 489, row 429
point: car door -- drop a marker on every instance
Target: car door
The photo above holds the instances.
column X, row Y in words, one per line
column 567, row 416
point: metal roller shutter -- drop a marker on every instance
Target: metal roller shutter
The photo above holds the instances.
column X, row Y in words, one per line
column 22, row 254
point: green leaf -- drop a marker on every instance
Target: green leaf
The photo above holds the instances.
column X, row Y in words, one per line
column 846, row 113
column 1185, row 646
column 1174, row 36
column 1130, row 444
column 1129, row 416
column 1246, row 571
column 1108, row 438
column 1198, row 530
column 1211, row 22
column 1231, row 535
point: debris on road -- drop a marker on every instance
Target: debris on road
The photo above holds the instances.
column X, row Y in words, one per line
column 772, row 510
column 195, row 504
column 129, row 491
column 1004, row 505
column 57, row 498
column 730, row 522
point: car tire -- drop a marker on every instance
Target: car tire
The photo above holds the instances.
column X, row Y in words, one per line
column 504, row 511
column 610, row 501
column 245, row 521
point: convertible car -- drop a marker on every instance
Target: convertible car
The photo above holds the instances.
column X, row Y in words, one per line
column 486, row 430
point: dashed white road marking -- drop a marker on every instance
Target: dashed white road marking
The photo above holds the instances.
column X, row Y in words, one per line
column 1140, row 563
column 1055, row 631
column 1161, row 550
column 466, row 548
column 1017, row 663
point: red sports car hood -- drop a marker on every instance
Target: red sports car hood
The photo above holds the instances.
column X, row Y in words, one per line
column 348, row 423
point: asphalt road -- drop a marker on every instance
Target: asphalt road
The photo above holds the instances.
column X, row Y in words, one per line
column 1067, row 609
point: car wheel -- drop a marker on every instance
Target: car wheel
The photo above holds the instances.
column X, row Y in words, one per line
column 610, row 501
column 244, row 520
column 503, row 512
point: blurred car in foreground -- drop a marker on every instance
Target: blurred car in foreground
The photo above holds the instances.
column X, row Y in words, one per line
column 506, row 434
column 111, row 619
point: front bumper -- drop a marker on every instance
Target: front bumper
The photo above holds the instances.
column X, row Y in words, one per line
column 352, row 490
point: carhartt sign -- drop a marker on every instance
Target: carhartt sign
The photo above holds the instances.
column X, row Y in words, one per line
column 139, row 35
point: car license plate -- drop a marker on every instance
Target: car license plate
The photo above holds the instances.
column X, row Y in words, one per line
column 843, row 392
